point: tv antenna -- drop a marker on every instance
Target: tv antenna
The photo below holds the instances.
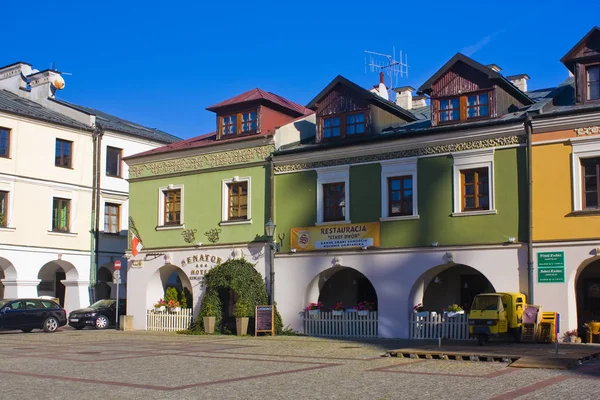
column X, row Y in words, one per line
column 388, row 64
column 53, row 68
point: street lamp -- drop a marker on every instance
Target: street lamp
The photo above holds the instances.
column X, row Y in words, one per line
column 270, row 232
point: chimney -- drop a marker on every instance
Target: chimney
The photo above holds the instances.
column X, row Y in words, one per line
column 13, row 77
column 519, row 81
column 494, row 67
column 418, row 102
column 404, row 97
column 44, row 84
column 382, row 77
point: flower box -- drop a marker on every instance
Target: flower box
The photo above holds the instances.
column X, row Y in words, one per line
column 337, row 312
column 175, row 309
column 313, row 313
column 422, row 313
column 363, row 313
column 159, row 309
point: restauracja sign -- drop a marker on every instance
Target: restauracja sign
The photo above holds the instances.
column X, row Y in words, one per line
column 335, row 236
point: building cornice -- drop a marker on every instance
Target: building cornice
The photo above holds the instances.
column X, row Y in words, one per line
column 201, row 162
column 427, row 144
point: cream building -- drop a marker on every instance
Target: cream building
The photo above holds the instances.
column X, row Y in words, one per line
column 54, row 156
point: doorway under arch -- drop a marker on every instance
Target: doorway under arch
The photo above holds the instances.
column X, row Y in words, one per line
column 103, row 280
column 587, row 293
column 342, row 284
column 51, row 276
column 449, row 284
column 8, row 272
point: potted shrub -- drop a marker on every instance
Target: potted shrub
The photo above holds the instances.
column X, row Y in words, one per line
column 571, row 336
column 420, row 310
column 183, row 300
column 160, row 306
column 241, row 312
column 173, row 306
column 338, row 309
column 453, row 310
column 363, row 308
column 314, row 308
column 210, row 312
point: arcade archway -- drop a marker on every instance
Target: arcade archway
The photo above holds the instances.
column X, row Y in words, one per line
column 51, row 277
column 168, row 275
column 587, row 293
column 449, row 284
column 341, row 284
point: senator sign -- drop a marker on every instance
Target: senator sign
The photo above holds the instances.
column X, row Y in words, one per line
column 335, row 236
column 551, row 267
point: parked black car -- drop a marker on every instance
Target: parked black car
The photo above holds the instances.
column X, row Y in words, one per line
column 30, row 314
column 100, row 315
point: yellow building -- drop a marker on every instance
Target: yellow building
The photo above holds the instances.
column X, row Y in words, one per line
column 566, row 192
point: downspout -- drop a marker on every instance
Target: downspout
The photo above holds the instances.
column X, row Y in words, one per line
column 528, row 129
column 272, row 217
column 95, row 216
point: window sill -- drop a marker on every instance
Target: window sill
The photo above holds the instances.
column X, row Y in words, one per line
column 236, row 222
column 111, row 234
column 114, row 176
column 7, row 229
column 399, row 218
column 63, row 167
column 344, row 222
column 66, row 234
column 472, row 213
column 169, row 227
column 583, row 213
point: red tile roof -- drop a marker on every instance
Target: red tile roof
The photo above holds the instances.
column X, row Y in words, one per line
column 259, row 94
column 211, row 138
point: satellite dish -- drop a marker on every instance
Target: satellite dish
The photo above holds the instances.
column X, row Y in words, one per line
column 58, row 82
column 383, row 91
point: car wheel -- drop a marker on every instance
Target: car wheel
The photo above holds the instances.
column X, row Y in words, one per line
column 101, row 322
column 50, row 324
column 27, row 330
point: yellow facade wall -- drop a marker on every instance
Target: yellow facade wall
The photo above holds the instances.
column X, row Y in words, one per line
column 553, row 217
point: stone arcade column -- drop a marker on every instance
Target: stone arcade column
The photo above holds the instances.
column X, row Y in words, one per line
column 76, row 294
column 15, row 288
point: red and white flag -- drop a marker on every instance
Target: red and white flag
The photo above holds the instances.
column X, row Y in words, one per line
column 136, row 245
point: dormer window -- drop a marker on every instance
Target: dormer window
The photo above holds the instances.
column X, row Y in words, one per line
column 465, row 107
column 240, row 123
column 343, row 125
column 592, row 74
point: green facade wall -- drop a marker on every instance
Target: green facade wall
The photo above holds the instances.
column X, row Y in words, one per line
column 295, row 204
column 202, row 207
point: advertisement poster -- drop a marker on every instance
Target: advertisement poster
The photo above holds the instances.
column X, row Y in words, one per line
column 335, row 236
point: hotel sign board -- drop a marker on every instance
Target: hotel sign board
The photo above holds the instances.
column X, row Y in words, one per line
column 551, row 267
column 342, row 236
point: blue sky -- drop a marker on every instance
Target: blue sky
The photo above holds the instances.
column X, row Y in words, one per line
column 161, row 64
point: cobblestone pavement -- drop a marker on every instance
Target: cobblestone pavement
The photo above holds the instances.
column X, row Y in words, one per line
column 141, row 365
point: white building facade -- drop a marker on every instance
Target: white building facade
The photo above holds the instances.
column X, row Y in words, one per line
column 47, row 188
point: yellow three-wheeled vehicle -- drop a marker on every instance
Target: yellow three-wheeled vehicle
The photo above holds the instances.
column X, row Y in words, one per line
column 496, row 315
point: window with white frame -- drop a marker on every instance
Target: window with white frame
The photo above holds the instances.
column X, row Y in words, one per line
column 473, row 182
column 585, row 173
column 112, row 218
column 170, row 207
column 236, row 205
column 333, row 195
column 399, row 189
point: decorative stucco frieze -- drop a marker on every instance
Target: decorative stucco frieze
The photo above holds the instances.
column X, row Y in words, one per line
column 431, row 150
column 588, row 130
column 205, row 161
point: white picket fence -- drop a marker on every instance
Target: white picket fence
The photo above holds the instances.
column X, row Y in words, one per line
column 169, row 321
column 436, row 326
column 347, row 325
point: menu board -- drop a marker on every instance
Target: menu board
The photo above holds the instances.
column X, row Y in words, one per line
column 264, row 320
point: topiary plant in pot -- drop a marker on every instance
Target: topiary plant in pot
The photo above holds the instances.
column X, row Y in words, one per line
column 210, row 306
column 241, row 312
